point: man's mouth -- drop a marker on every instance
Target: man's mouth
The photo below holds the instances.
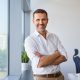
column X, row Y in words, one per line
column 41, row 24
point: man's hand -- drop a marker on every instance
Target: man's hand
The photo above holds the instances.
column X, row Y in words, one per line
column 59, row 60
column 38, row 54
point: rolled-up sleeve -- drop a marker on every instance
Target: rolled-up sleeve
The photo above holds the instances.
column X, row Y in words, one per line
column 61, row 48
column 31, row 48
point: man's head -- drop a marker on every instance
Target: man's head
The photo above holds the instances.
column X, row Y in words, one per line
column 40, row 19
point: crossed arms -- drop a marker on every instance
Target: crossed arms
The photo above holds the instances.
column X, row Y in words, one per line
column 54, row 59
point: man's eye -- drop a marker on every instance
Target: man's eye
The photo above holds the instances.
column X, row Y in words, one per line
column 44, row 19
column 37, row 20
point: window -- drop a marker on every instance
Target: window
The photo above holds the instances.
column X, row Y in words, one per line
column 3, row 38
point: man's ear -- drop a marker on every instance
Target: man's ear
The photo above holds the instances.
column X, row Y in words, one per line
column 33, row 20
column 47, row 20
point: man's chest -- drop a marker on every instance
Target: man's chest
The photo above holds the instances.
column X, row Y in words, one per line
column 46, row 46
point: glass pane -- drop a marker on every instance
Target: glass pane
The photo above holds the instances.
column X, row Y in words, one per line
column 3, row 38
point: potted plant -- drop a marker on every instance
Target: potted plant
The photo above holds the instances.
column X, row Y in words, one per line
column 24, row 61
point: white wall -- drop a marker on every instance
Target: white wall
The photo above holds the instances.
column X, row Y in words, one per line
column 64, row 20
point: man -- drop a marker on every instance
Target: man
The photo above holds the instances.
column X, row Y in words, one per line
column 44, row 50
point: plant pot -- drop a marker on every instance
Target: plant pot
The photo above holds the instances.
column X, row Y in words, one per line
column 24, row 66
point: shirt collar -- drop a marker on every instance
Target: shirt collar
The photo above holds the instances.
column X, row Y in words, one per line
column 37, row 33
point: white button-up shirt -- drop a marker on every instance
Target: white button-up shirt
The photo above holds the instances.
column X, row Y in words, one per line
column 37, row 43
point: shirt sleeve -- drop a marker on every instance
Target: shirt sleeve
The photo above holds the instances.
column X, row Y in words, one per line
column 61, row 48
column 31, row 48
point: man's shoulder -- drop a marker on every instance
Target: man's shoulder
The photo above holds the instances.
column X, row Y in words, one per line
column 30, row 37
column 53, row 35
column 27, row 38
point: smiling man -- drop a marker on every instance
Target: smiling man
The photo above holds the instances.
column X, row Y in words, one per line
column 44, row 50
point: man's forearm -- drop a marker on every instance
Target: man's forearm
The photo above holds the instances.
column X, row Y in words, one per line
column 48, row 60
column 59, row 60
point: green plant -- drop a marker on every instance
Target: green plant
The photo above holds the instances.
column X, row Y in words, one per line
column 24, row 57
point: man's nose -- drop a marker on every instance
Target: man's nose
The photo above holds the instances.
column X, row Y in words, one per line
column 40, row 22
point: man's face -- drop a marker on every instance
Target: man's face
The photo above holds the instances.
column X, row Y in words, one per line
column 40, row 20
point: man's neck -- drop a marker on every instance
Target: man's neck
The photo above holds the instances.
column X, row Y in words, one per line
column 43, row 33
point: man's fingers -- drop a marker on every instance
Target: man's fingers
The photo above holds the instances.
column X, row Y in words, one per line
column 38, row 54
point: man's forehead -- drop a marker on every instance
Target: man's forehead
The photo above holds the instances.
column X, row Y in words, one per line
column 40, row 15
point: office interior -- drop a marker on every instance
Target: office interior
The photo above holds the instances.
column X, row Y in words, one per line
column 16, row 25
